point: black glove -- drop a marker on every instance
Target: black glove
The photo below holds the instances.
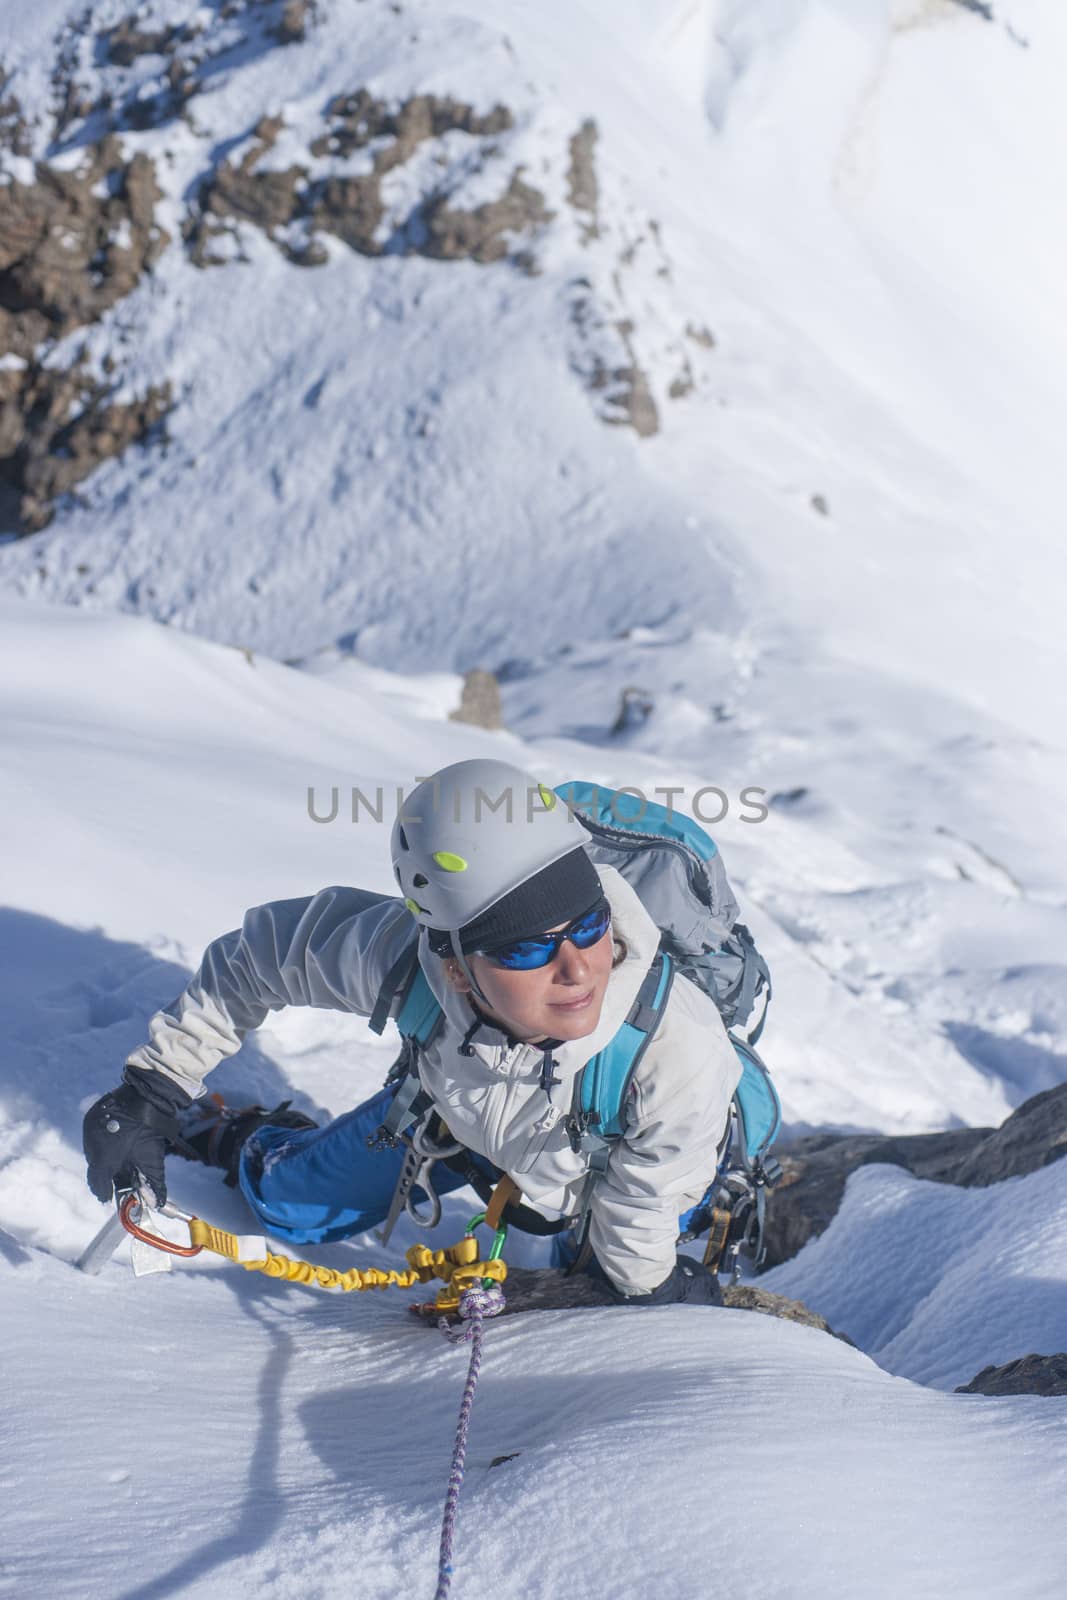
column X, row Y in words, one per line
column 691, row 1282
column 125, row 1134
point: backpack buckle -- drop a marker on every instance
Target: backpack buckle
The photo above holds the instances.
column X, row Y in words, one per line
column 577, row 1126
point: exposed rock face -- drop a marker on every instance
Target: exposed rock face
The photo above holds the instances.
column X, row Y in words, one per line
column 1033, row 1136
column 67, row 252
column 71, row 245
column 483, row 234
column 352, row 207
column 815, row 1169
column 583, row 191
column 746, row 1297
column 1031, row 1374
column 56, row 427
column 480, row 701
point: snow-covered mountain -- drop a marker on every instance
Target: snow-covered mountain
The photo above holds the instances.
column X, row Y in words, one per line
column 702, row 354
column 820, row 300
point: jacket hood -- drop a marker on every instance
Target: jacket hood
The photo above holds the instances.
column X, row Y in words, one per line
column 630, row 922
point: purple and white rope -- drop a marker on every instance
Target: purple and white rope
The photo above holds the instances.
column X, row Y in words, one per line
column 477, row 1304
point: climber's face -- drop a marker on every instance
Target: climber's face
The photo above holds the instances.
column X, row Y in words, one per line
column 561, row 1000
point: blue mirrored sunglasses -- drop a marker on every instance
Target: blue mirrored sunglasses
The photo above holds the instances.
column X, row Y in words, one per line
column 526, row 954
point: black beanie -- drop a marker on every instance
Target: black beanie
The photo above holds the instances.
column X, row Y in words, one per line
column 558, row 893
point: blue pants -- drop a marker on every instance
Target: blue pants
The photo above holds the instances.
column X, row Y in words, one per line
column 315, row 1185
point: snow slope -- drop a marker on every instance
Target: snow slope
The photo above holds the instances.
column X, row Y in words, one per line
column 208, row 1434
column 287, row 1445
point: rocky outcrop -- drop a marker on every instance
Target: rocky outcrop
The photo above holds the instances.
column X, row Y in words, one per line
column 583, row 191
column 815, row 1169
column 480, row 700
column 486, row 233
column 1033, row 1136
column 294, row 21
column 352, row 206
column 1031, row 1374
column 72, row 244
column 747, row 1297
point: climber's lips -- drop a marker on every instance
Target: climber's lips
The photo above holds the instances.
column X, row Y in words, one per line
column 573, row 1005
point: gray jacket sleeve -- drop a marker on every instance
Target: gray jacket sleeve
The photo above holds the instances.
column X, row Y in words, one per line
column 332, row 950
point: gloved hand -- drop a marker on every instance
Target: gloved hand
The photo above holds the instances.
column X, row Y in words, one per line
column 125, row 1134
column 690, row 1281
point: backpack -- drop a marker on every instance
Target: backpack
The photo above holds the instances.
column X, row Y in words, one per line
column 676, row 870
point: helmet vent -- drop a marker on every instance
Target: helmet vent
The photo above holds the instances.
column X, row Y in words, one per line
column 402, row 836
column 420, row 880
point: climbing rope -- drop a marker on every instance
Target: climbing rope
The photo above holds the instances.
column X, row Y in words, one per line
column 476, row 1304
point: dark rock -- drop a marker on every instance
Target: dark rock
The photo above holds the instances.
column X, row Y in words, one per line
column 14, row 132
column 293, row 23
column 480, row 702
column 605, row 359
column 1031, row 1374
column 483, row 234
column 1033, row 1136
column 635, row 707
column 582, row 189
column 72, row 245
column 683, row 384
column 746, row 1297
column 815, row 1169
column 350, row 206
column 125, row 42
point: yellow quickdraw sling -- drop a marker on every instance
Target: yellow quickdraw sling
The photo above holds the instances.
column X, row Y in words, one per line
column 460, row 1265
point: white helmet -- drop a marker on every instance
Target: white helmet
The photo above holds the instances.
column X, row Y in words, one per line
column 471, row 835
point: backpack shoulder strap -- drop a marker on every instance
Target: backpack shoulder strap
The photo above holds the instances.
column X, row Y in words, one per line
column 758, row 1109
column 420, row 1011
column 418, row 1018
column 602, row 1086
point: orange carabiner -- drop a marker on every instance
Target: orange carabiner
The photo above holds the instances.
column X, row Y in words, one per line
column 126, row 1206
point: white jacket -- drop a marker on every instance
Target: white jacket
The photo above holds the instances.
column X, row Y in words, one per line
column 334, row 950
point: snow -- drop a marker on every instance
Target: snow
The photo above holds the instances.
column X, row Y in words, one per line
column 937, row 1282
column 317, row 1435
column 163, row 778
column 382, row 472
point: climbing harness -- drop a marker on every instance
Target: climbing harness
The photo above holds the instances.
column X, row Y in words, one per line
column 416, row 1167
